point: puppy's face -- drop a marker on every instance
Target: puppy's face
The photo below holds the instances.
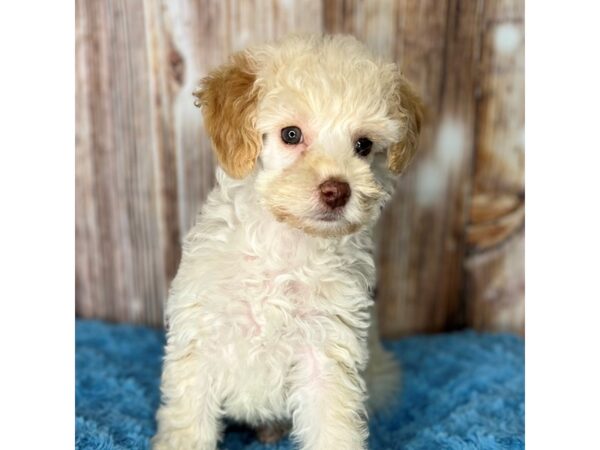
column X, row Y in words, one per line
column 321, row 123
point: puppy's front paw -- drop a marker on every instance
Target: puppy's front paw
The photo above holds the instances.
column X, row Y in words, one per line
column 273, row 432
column 180, row 440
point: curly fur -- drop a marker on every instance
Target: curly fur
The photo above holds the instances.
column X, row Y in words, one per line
column 270, row 312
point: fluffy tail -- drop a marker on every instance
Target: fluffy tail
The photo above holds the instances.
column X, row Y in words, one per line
column 383, row 377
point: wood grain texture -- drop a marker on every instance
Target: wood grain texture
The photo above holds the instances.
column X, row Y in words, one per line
column 450, row 243
column 495, row 278
column 423, row 242
column 115, row 176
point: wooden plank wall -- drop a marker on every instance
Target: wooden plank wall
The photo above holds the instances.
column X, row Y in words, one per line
column 451, row 242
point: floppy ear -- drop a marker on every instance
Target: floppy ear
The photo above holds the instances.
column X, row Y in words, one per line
column 229, row 100
column 409, row 109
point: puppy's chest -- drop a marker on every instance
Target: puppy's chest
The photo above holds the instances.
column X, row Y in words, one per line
column 269, row 298
column 289, row 296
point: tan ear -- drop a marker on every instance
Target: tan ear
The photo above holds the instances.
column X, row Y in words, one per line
column 409, row 109
column 229, row 100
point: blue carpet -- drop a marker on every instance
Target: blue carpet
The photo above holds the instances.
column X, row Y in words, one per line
column 461, row 391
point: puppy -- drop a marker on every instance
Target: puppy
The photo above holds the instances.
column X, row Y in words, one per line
column 270, row 315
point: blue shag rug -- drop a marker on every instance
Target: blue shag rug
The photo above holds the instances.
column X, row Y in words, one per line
column 461, row 390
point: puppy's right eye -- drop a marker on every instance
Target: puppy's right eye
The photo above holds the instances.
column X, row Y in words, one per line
column 363, row 146
column 291, row 135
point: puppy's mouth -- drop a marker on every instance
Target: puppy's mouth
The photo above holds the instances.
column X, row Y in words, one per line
column 323, row 223
column 334, row 215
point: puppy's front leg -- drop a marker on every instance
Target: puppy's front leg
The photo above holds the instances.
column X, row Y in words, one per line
column 189, row 417
column 327, row 399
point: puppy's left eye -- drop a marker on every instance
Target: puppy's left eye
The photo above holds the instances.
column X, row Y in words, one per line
column 363, row 146
column 291, row 135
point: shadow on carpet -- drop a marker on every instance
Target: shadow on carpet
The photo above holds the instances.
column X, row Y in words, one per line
column 461, row 390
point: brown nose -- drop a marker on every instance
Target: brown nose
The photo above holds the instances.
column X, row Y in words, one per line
column 335, row 193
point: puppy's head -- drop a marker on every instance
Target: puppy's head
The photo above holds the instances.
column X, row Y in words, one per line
column 321, row 124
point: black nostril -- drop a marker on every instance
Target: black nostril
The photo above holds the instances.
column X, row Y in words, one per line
column 335, row 193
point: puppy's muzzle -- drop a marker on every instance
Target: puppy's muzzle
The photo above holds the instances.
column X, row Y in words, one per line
column 335, row 193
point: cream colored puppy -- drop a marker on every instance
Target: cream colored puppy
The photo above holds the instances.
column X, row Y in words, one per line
column 270, row 312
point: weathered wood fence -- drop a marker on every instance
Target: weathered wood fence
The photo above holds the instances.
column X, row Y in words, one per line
column 451, row 243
